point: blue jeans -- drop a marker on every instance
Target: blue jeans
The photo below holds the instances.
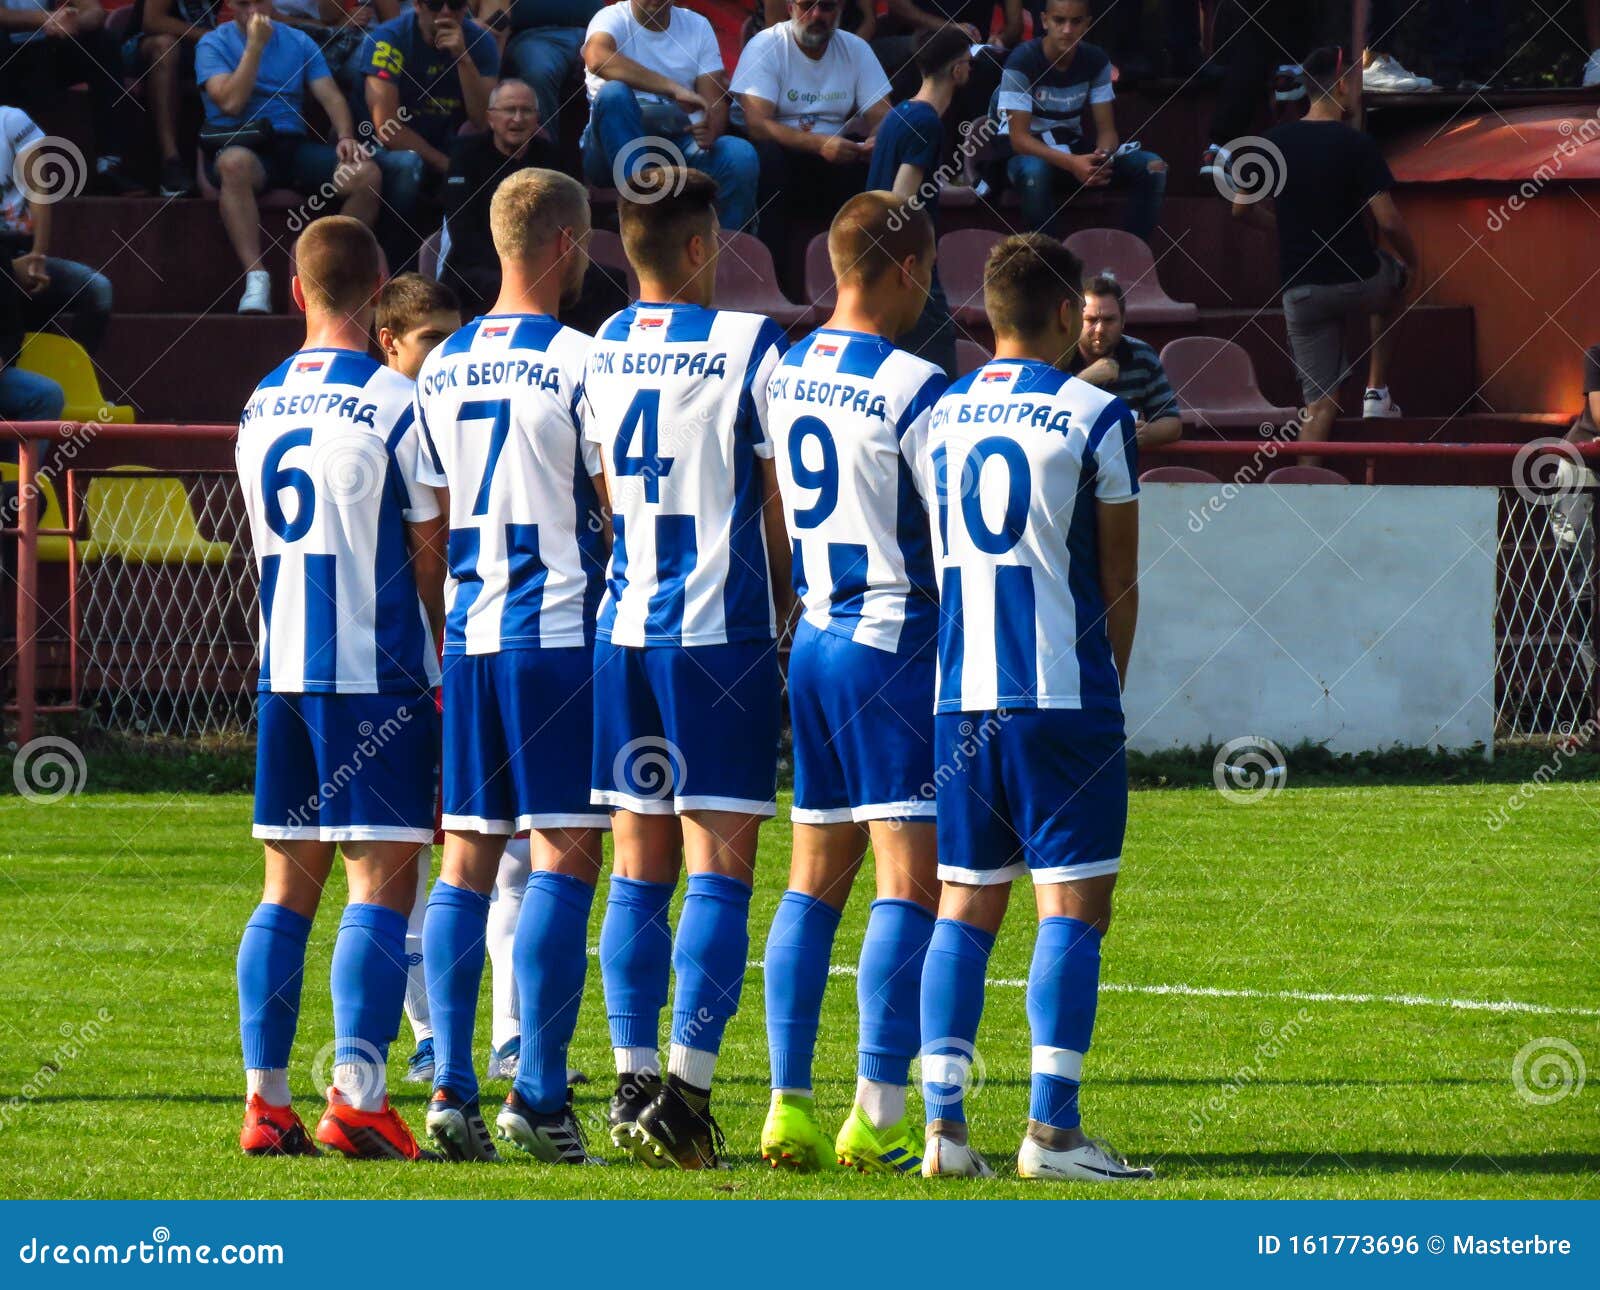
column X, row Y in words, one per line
column 616, row 120
column 74, row 289
column 545, row 57
column 1038, row 184
column 27, row 396
column 403, row 172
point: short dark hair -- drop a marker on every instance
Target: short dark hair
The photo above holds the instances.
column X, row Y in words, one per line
column 659, row 210
column 873, row 232
column 409, row 299
column 338, row 263
column 1104, row 284
column 1026, row 280
column 1087, row 4
column 1324, row 68
column 941, row 49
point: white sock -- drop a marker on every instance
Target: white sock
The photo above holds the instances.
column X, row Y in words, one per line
column 882, row 1104
column 364, row 1084
column 795, row 1092
column 694, row 1066
column 1382, row 391
column 505, row 907
column 637, row 1061
column 272, row 1086
column 416, row 978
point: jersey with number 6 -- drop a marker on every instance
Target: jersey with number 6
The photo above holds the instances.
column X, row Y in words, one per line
column 497, row 406
column 1019, row 453
column 675, row 398
column 849, row 416
column 327, row 455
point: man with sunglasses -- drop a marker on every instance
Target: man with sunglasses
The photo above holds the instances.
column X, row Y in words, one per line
column 798, row 86
column 658, row 95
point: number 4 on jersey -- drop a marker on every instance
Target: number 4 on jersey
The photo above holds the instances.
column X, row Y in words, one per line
column 644, row 414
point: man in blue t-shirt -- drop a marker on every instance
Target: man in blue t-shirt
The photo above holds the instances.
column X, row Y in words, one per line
column 254, row 75
column 1054, row 92
column 905, row 161
column 428, row 72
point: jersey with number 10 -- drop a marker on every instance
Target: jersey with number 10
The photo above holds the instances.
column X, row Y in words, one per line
column 675, row 397
column 1019, row 454
column 849, row 416
column 497, row 404
column 327, row 455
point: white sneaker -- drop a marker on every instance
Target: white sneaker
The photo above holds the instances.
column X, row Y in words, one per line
column 1377, row 404
column 947, row 1158
column 1591, row 70
column 1094, row 1161
column 1385, row 75
column 257, row 298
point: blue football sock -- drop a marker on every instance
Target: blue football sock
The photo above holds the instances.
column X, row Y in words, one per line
column 952, row 1004
column 551, row 958
column 369, row 983
column 708, row 958
column 889, row 989
column 798, row 949
column 635, row 960
column 271, row 966
column 1063, row 988
column 452, row 957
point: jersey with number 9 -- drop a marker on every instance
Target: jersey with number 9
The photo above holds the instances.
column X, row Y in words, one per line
column 327, row 455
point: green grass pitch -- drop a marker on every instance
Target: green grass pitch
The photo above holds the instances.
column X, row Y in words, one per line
column 133, row 905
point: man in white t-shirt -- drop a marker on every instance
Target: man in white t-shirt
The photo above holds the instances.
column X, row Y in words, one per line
column 799, row 85
column 658, row 95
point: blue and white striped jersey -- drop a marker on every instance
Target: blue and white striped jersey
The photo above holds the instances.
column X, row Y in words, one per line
column 497, row 406
column 675, row 397
column 327, row 455
column 1018, row 455
column 848, row 414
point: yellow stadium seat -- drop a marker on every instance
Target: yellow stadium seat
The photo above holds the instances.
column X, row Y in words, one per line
column 52, row 550
column 66, row 363
column 145, row 521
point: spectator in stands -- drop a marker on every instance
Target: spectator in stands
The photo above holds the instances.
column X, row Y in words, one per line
column 55, row 290
column 255, row 75
column 428, row 72
column 1051, row 89
column 544, row 48
column 800, row 85
column 860, row 17
column 159, row 46
column 1111, row 359
column 1591, row 28
column 914, row 20
column 1381, row 71
column 905, row 161
column 24, row 396
column 57, row 43
column 1333, row 177
column 657, row 87
column 1572, row 506
column 478, row 163
column 1262, row 39
column 1121, row 30
column 415, row 316
column 338, row 31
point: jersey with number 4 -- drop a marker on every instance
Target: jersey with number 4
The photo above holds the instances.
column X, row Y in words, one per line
column 1019, row 454
column 497, row 406
column 848, row 415
column 675, row 398
column 327, row 455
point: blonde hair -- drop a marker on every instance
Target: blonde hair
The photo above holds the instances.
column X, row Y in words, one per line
column 530, row 207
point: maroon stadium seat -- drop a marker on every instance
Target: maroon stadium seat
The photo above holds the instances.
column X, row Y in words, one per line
column 1129, row 260
column 1216, row 383
column 970, row 356
column 428, row 256
column 747, row 280
column 819, row 274
column 961, row 257
column 1305, row 475
column 605, row 249
column 1177, row 475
